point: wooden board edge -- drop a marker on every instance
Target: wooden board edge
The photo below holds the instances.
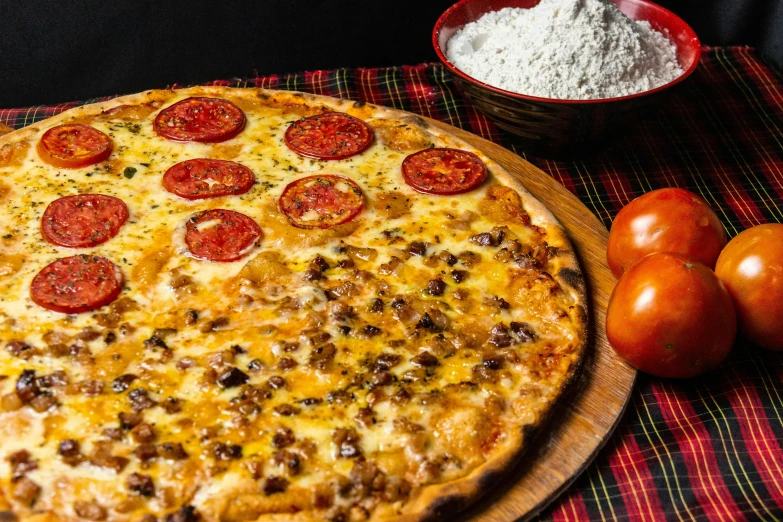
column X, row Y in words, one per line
column 545, row 503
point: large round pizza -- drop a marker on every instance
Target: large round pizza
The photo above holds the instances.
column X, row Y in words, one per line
column 238, row 304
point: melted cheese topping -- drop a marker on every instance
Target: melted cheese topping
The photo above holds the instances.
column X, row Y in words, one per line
column 365, row 381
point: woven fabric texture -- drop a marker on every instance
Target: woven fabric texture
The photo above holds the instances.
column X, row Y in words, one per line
column 701, row 449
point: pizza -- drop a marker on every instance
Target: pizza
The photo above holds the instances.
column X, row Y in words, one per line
column 238, row 304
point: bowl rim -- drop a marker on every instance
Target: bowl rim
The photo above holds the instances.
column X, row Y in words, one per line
column 454, row 70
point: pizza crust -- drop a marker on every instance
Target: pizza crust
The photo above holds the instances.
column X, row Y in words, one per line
column 433, row 501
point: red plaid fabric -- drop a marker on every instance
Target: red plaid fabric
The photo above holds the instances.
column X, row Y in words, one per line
column 706, row 448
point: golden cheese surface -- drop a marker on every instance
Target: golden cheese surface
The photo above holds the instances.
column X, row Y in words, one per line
column 329, row 373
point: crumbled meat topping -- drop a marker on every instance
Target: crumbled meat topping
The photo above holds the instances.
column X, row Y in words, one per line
column 141, row 484
column 89, row 510
column 232, row 377
column 143, row 432
column 26, row 491
column 123, row 382
column 436, row 287
column 274, row 485
column 417, row 248
column 283, row 437
column 347, row 441
column 459, row 276
column 171, row 451
column 222, row 451
column 184, row 514
column 425, row 359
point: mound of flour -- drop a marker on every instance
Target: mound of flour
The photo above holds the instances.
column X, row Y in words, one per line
column 566, row 49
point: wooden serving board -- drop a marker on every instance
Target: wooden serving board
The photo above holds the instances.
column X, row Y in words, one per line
column 592, row 407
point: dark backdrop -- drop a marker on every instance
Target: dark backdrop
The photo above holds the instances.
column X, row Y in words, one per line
column 61, row 51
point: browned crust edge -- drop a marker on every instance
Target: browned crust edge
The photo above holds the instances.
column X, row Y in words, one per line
column 449, row 499
column 439, row 500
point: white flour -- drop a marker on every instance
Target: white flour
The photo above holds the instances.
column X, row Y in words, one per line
column 566, row 49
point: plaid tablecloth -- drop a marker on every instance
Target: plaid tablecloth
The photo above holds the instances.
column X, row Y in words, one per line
column 707, row 448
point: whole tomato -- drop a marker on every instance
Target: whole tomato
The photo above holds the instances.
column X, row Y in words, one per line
column 665, row 220
column 751, row 267
column 671, row 317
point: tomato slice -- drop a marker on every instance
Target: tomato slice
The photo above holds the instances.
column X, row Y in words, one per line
column 200, row 119
column 83, row 220
column 74, row 145
column 330, row 136
column 76, row 284
column 221, row 235
column 321, row 201
column 204, row 178
column 444, row 171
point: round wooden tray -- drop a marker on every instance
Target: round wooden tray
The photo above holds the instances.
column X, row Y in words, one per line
column 592, row 407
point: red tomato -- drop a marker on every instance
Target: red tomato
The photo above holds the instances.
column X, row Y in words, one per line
column 671, row 317
column 665, row 220
column 751, row 267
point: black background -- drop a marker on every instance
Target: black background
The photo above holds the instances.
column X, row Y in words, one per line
column 60, row 51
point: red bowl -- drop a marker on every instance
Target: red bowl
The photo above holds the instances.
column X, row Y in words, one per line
column 556, row 127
